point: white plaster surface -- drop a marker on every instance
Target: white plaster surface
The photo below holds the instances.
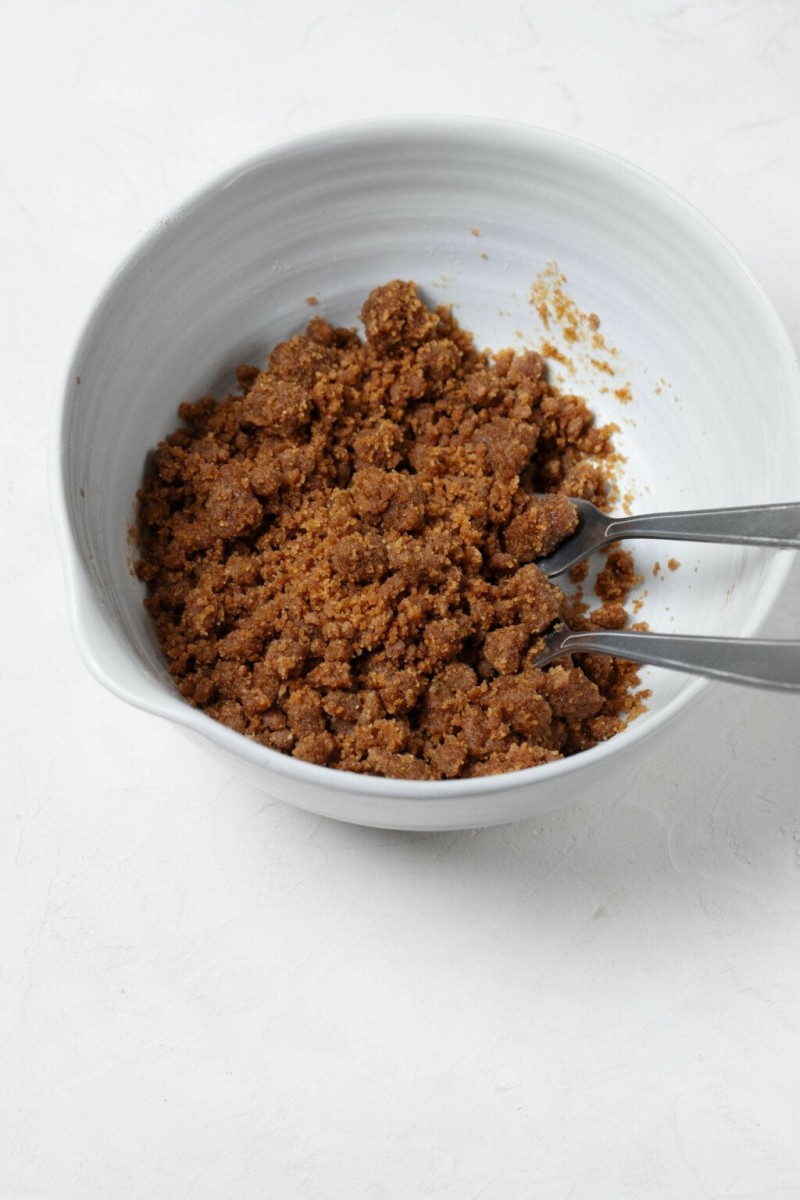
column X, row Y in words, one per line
column 205, row 994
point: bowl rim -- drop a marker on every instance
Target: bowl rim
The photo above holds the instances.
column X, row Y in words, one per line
column 83, row 604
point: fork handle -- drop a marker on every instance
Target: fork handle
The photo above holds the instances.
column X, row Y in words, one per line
column 758, row 662
column 754, row 525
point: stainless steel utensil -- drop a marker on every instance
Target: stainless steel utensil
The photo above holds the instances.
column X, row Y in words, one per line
column 757, row 662
column 775, row 525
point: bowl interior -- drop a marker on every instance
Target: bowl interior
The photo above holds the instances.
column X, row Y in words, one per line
column 472, row 211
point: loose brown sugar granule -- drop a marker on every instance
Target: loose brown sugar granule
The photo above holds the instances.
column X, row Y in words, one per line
column 618, row 577
column 339, row 558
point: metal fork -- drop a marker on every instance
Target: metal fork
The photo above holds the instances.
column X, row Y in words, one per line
column 757, row 662
column 758, row 525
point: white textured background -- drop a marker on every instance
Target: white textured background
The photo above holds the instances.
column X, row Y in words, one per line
column 205, row 995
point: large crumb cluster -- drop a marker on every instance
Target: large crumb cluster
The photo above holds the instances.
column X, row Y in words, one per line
column 341, row 559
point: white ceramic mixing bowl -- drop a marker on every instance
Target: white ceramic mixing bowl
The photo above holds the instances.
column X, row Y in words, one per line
column 471, row 210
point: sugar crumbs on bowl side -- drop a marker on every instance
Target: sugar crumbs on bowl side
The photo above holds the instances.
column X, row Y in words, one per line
column 577, row 330
column 340, row 556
